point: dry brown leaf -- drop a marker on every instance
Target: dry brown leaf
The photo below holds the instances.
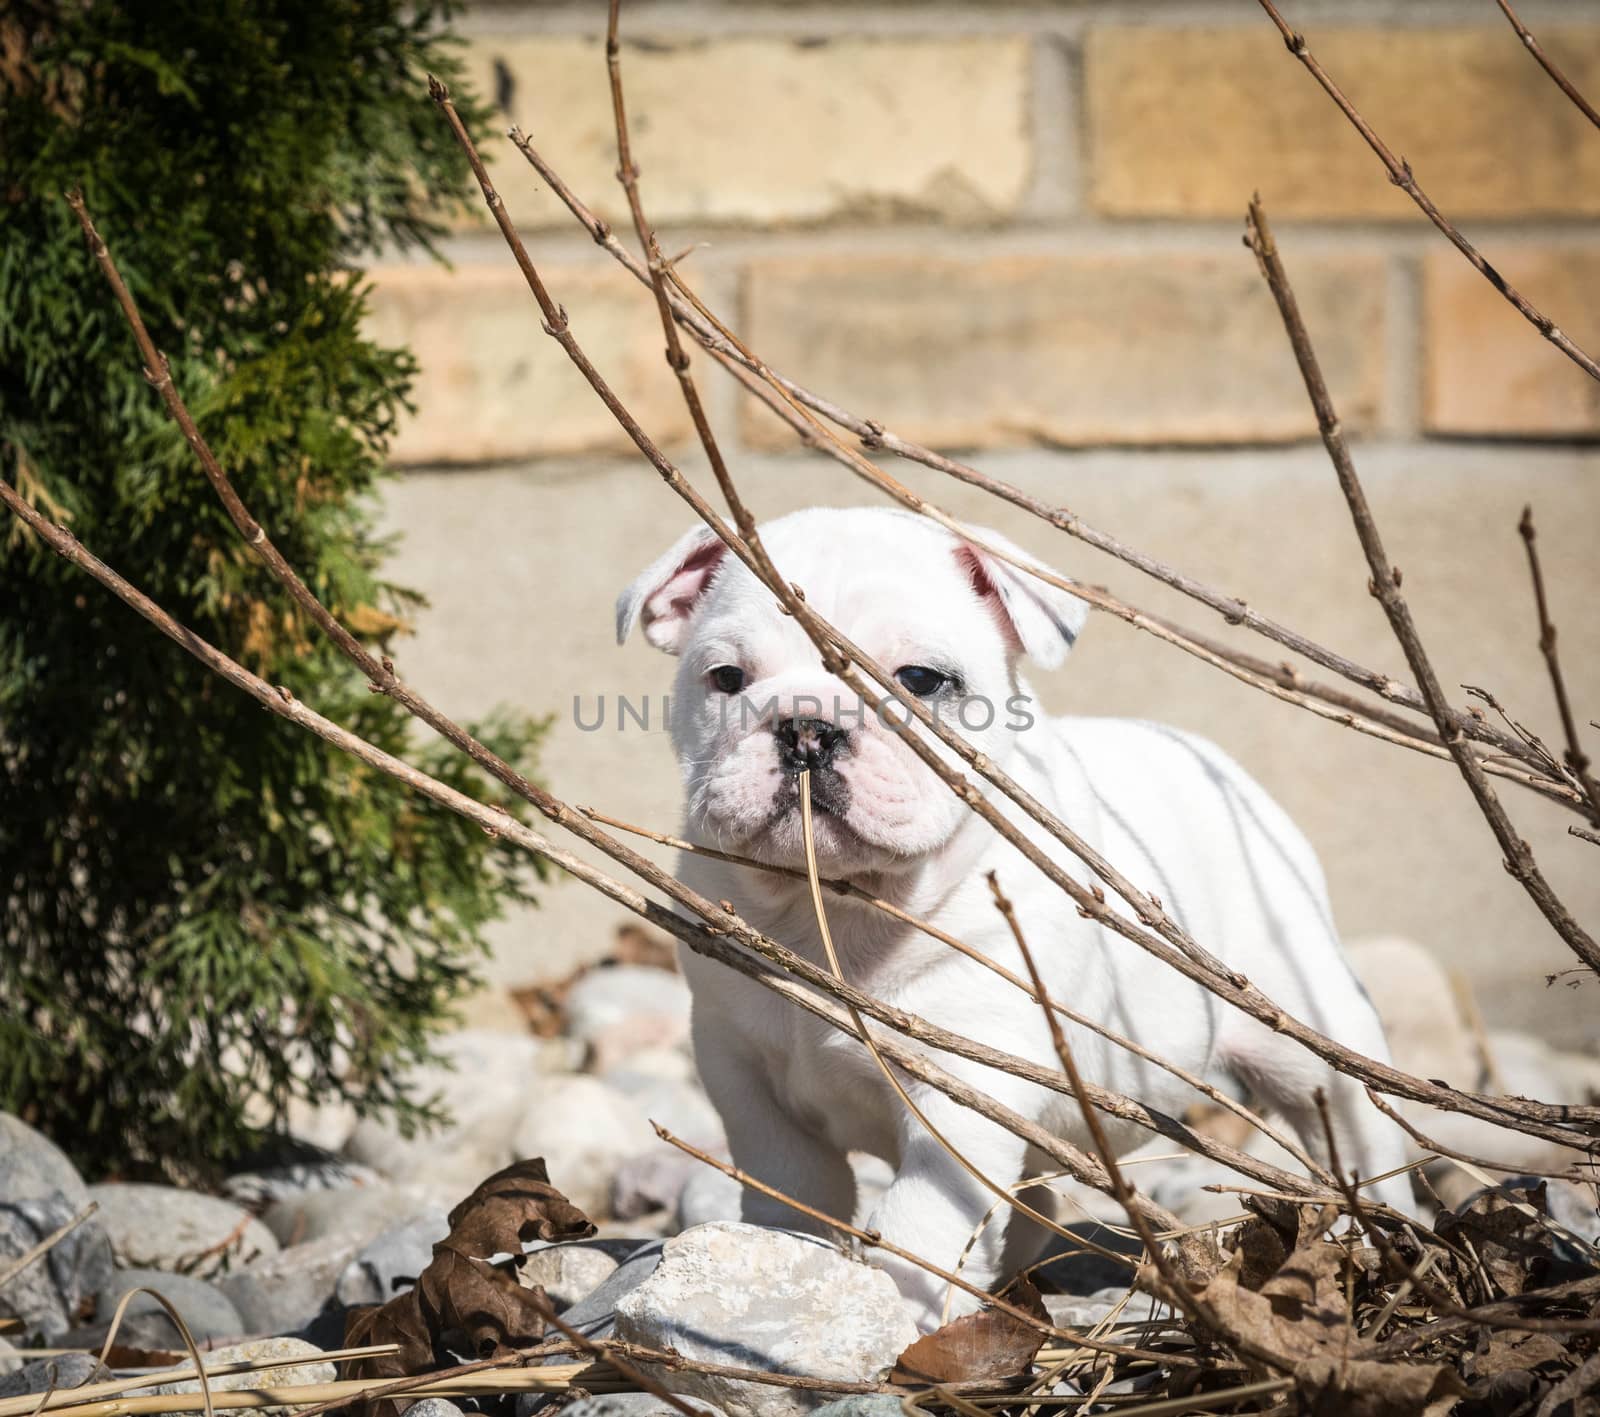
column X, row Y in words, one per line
column 460, row 1293
column 1334, row 1388
column 982, row 1347
column 1514, row 1247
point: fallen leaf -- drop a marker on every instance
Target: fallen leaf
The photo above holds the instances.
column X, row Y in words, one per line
column 1514, row 1247
column 461, row 1298
column 982, row 1347
column 1335, row 1388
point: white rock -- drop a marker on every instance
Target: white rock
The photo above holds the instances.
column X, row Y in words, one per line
column 1417, row 1005
column 162, row 1227
column 485, row 1092
column 300, row 1362
column 620, row 992
column 623, row 1008
column 571, row 1271
column 583, row 1130
column 647, row 1066
column 708, row 1196
column 629, row 1404
column 324, row 1124
column 744, row 1295
column 434, row 1407
column 1529, row 1067
column 1578, row 1077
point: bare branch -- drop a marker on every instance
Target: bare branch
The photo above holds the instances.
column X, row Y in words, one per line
column 1400, row 174
column 1385, row 585
column 1577, row 759
column 1548, row 64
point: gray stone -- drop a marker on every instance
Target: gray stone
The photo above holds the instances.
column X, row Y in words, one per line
column 741, row 1294
column 145, row 1324
column 286, row 1290
column 32, row 1165
column 861, row 1404
column 433, row 1407
column 183, row 1232
column 569, row 1272
column 366, row 1211
column 391, row 1262
column 708, row 1196
column 629, row 1404
column 1084, row 1311
column 49, row 1296
column 1575, row 1207
column 1077, row 1271
column 301, row 1363
column 483, row 1083
column 10, row 1362
column 1422, row 1020
column 69, row 1370
column 293, row 1180
column 584, row 1130
column 595, row 1315
column 650, row 1181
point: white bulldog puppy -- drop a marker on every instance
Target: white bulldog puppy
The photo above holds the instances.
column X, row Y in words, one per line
column 753, row 706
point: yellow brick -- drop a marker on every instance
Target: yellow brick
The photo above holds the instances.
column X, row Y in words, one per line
column 1487, row 370
column 769, row 131
column 494, row 386
column 1190, row 122
column 1150, row 348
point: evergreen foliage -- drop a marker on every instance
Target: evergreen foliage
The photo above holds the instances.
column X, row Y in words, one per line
column 205, row 911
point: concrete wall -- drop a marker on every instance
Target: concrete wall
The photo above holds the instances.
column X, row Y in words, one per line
column 1014, row 230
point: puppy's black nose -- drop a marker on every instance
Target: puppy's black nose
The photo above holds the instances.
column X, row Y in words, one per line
column 806, row 743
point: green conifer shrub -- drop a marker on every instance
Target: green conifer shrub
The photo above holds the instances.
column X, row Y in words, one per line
column 203, row 910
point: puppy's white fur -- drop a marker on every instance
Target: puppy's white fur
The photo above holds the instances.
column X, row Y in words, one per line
column 1167, row 809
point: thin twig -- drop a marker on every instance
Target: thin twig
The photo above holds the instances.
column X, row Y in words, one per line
column 1548, row 64
column 1577, row 759
column 1400, row 174
column 1385, row 585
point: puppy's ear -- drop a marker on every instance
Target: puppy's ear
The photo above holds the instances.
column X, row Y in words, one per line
column 1037, row 619
column 663, row 596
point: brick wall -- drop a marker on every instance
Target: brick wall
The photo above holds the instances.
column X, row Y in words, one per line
column 1001, row 225
column 1013, row 228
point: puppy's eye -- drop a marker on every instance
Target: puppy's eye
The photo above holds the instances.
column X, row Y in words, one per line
column 922, row 681
column 727, row 678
